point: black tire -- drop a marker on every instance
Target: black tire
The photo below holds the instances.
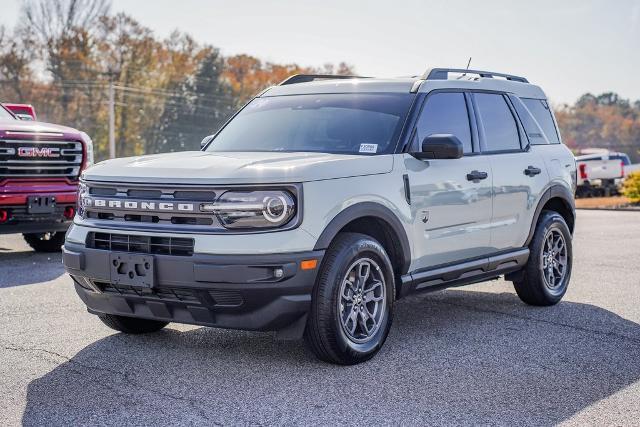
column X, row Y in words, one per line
column 325, row 334
column 532, row 287
column 131, row 325
column 45, row 242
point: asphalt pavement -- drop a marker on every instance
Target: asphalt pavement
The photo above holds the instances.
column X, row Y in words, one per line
column 471, row 355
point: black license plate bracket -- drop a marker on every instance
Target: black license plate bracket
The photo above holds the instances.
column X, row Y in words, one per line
column 131, row 269
column 41, row 204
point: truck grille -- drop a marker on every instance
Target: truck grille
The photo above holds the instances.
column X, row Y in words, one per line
column 35, row 159
column 178, row 246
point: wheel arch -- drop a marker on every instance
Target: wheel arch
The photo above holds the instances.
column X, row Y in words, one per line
column 559, row 199
column 377, row 221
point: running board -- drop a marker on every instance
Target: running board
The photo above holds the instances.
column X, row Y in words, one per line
column 465, row 273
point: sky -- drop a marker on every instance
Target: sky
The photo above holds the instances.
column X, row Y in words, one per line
column 568, row 47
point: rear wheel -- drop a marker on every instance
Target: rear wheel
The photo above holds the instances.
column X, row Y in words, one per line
column 546, row 276
column 352, row 304
column 131, row 325
column 45, row 242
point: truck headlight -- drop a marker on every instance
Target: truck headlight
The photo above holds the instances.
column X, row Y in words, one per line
column 253, row 209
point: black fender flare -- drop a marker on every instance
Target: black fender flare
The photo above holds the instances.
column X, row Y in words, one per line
column 367, row 209
column 555, row 191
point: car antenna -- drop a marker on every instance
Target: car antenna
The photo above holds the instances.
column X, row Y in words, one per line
column 464, row 74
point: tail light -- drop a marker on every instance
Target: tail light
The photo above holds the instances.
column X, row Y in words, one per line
column 583, row 170
column 622, row 168
column 4, row 216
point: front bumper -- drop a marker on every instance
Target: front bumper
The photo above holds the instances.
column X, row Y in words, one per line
column 225, row 291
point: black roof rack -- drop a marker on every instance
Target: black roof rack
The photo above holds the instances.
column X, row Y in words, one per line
column 304, row 78
column 443, row 74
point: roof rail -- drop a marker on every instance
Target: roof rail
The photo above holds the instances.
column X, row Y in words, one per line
column 304, row 78
column 443, row 74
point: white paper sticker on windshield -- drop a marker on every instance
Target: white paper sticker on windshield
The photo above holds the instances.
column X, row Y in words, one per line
column 368, row 148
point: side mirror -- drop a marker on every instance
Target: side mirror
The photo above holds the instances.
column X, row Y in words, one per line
column 205, row 141
column 440, row 146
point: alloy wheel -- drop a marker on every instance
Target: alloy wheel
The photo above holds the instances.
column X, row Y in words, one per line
column 362, row 301
column 554, row 259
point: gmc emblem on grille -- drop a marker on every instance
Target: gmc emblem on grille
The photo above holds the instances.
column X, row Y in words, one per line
column 138, row 205
column 38, row 152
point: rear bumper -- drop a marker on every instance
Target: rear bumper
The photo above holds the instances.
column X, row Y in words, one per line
column 225, row 291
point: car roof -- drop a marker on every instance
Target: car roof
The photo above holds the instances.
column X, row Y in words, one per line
column 307, row 84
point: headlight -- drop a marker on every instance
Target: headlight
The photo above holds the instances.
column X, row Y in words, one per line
column 253, row 209
column 83, row 193
column 89, row 146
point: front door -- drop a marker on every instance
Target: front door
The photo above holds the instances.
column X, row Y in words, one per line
column 450, row 199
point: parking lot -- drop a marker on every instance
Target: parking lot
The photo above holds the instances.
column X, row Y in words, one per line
column 468, row 355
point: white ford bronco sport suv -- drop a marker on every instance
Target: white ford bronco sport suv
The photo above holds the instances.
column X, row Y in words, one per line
column 324, row 201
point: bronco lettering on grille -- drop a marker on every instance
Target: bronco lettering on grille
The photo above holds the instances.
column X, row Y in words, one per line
column 138, row 205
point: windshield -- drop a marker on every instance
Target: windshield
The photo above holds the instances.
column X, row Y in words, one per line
column 327, row 123
column 5, row 115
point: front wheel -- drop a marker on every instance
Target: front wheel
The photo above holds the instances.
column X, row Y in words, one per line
column 545, row 278
column 45, row 242
column 352, row 305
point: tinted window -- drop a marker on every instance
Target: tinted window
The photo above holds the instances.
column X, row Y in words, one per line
column 531, row 127
column 622, row 157
column 331, row 123
column 541, row 111
column 500, row 129
column 445, row 113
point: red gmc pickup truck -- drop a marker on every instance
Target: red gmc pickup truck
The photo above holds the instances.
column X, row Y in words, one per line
column 40, row 164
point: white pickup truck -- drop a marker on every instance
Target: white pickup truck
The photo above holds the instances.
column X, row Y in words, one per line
column 599, row 174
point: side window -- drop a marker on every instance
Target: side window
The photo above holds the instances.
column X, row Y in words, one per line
column 531, row 127
column 541, row 111
column 445, row 113
column 500, row 129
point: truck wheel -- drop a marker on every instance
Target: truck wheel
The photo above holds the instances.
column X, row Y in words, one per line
column 131, row 325
column 352, row 303
column 45, row 242
column 545, row 278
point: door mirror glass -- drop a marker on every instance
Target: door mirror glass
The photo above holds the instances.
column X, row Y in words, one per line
column 440, row 146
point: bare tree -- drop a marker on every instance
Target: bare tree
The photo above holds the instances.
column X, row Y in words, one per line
column 52, row 19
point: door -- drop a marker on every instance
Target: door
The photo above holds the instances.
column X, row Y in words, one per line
column 519, row 172
column 450, row 198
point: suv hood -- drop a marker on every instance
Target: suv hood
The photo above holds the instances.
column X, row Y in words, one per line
column 29, row 127
column 197, row 167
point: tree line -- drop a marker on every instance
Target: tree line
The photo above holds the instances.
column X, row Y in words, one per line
column 171, row 92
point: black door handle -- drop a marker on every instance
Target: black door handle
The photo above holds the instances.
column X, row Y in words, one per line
column 532, row 171
column 476, row 176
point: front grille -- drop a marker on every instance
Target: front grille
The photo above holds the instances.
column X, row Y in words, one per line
column 35, row 159
column 150, row 219
column 178, row 246
column 208, row 298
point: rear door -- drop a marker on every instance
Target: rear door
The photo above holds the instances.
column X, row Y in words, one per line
column 519, row 172
column 450, row 211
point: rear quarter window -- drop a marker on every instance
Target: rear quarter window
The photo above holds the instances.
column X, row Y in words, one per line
column 540, row 109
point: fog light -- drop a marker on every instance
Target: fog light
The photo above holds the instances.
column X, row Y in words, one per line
column 278, row 273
